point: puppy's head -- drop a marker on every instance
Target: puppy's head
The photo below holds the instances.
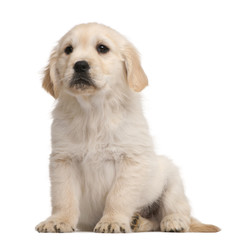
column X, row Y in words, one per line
column 92, row 57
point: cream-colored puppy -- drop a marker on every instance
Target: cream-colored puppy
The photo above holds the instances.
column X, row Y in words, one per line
column 105, row 175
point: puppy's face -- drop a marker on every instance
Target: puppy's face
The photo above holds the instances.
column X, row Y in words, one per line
column 90, row 58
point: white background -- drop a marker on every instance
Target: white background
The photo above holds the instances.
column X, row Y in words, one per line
column 185, row 49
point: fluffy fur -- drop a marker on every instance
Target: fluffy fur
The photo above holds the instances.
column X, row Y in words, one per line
column 105, row 175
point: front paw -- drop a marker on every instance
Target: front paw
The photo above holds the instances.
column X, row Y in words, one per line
column 112, row 227
column 52, row 225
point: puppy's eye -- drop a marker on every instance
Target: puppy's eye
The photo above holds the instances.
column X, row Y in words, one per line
column 68, row 50
column 102, row 48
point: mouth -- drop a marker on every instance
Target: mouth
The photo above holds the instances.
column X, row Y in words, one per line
column 81, row 82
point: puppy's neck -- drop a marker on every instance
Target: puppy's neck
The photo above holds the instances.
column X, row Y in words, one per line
column 103, row 104
column 91, row 102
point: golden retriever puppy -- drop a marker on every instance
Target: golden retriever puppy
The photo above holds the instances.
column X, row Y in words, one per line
column 105, row 175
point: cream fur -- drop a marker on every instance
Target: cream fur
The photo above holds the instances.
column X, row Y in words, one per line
column 103, row 167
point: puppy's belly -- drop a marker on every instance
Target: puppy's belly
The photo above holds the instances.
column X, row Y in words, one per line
column 96, row 181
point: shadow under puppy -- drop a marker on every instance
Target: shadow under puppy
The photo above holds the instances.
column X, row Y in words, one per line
column 105, row 175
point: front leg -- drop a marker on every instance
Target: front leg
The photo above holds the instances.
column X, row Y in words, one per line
column 64, row 193
column 124, row 197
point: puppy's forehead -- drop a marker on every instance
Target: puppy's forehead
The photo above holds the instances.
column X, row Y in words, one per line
column 90, row 34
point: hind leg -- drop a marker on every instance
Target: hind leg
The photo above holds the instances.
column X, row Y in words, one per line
column 140, row 224
column 175, row 210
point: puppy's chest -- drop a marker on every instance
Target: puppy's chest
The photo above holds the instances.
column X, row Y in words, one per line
column 96, row 178
column 95, row 143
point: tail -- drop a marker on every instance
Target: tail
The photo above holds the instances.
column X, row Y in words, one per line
column 197, row 226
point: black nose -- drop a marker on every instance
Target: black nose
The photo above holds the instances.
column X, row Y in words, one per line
column 81, row 67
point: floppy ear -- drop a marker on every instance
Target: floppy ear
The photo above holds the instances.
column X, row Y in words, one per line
column 136, row 77
column 49, row 80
